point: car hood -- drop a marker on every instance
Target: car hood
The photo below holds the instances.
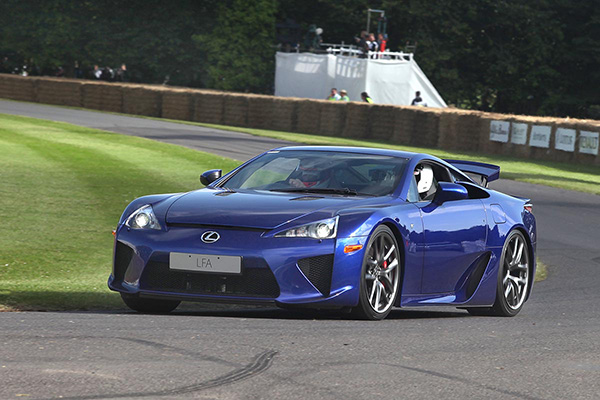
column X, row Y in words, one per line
column 253, row 209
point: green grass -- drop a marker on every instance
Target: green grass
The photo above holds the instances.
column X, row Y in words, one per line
column 62, row 191
column 579, row 177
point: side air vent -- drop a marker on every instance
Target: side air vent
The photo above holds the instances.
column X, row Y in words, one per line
column 123, row 255
column 477, row 273
column 318, row 271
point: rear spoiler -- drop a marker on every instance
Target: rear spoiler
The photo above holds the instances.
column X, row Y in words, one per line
column 486, row 172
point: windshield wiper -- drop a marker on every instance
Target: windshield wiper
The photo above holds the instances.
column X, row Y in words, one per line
column 344, row 191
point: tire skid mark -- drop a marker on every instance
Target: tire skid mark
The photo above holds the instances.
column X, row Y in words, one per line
column 260, row 364
column 177, row 350
column 442, row 375
column 143, row 342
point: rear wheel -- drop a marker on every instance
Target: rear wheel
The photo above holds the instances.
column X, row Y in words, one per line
column 380, row 276
column 152, row 306
column 513, row 278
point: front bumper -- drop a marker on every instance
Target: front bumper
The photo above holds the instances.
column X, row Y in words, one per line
column 284, row 271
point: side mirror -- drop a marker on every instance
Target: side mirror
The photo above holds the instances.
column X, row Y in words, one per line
column 210, row 176
column 450, row 191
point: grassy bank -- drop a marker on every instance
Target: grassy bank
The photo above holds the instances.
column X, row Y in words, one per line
column 63, row 189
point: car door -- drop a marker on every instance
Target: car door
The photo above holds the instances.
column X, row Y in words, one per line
column 455, row 236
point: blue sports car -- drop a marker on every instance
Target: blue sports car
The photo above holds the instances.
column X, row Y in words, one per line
column 356, row 229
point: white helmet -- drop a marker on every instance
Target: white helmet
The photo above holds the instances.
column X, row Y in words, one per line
column 425, row 179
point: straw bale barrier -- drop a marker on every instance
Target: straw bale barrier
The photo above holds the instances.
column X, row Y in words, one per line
column 99, row 96
column 308, row 116
column 260, row 112
column 562, row 139
column 142, row 100
column 357, row 120
column 235, row 110
column 208, row 107
column 382, row 122
column 17, row 87
column 333, row 118
column 177, row 104
column 284, row 114
column 62, row 92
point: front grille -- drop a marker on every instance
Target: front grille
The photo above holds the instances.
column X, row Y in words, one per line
column 123, row 255
column 256, row 280
column 318, row 271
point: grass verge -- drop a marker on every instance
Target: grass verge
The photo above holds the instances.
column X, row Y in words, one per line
column 63, row 190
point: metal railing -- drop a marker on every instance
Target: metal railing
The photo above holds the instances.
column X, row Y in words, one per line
column 353, row 51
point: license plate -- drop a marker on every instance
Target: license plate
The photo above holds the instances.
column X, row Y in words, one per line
column 205, row 263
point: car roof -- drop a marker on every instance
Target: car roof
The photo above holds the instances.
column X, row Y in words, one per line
column 359, row 150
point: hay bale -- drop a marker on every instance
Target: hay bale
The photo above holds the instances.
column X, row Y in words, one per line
column 333, row 117
column 102, row 96
column 382, row 121
column 142, row 100
column 235, row 110
column 284, row 114
column 208, row 107
column 308, row 116
column 63, row 92
column 177, row 104
column 404, row 120
column 16, row 87
column 420, row 125
column 357, row 124
column 260, row 111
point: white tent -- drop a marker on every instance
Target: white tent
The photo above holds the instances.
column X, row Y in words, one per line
column 387, row 81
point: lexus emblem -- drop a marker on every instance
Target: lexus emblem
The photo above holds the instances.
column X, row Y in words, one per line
column 210, row 237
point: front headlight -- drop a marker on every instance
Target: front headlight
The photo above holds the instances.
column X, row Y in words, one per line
column 325, row 229
column 143, row 218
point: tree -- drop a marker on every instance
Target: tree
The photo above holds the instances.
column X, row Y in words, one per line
column 239, row 50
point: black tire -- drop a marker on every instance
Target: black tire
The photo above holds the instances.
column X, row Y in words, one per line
column 375, row 267
column 509, row 305
column 149, row 306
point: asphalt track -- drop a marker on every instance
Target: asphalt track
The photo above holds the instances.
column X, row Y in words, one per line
column 551, row 350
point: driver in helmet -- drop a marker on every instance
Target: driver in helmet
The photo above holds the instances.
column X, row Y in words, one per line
column 309, row 173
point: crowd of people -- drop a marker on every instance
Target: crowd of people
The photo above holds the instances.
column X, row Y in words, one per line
column 367, row 42
column 30, row 68
column 342, row 95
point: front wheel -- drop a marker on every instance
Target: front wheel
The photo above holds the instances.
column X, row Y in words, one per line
column 380, row 276
column 513, row 278
column 151, row 306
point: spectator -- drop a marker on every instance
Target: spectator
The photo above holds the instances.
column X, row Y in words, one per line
column 372, row 42
column 334, row 95
column 97, row 72
column 382, row 42
column 418, row 101
column 60, row 72
column 362, row 44
column 77, row 72
column 366, row 97
column 4, row 65
column 107, row 74
column 344, row 95
column 121, row 74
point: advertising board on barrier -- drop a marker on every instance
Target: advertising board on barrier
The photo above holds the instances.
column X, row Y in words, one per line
column 540, row 136
column 518, row 133
column 588, row 142
column 499, row 131
column 565, row 139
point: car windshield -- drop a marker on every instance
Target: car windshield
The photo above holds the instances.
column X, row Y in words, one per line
column 325, row 172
